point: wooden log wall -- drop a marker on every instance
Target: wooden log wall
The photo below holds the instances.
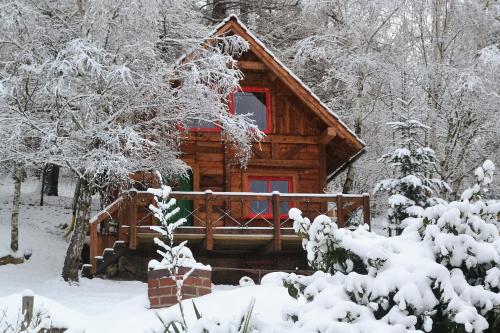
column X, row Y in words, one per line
column 292, row 149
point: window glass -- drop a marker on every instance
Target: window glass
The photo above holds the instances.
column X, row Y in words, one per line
column 253, row 104
column 268, row 184
column 257, row 185
column 260, row 186
column 282, row 186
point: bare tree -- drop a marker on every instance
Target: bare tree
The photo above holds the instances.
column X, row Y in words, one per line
column 114, row 98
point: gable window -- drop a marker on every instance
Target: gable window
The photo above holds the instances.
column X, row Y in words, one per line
column 255, row 102
column 267, row 184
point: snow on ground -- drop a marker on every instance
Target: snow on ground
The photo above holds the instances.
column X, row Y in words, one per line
column 96, row 305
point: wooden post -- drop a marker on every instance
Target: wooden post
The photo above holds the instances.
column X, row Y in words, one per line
column 122, row 218
column 276, row 221
column 323, row 176
column 340, row 210
column 227, row 182
column 27, row 310
column 209, row 240
column 94, row 246
column 366, row 210
column 133, row 219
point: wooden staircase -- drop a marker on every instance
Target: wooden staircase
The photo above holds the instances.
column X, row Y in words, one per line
column 109, row 256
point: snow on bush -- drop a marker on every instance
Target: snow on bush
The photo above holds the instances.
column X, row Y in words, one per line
column 441, row 274
column 174, row 256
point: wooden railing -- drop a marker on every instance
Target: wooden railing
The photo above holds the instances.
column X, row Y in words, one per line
column 230, row 212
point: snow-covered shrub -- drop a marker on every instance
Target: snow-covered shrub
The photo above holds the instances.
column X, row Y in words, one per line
column 174, row 256
column 412, row 162
column 442, row 274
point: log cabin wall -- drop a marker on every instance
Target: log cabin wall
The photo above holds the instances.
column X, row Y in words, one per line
column 291, row 150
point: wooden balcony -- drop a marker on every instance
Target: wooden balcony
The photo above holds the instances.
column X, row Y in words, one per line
column 219, row 221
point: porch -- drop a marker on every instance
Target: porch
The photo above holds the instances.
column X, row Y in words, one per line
column 222, row 224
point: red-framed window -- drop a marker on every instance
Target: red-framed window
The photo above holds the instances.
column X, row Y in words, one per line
column 268, row 184
column 255, row 101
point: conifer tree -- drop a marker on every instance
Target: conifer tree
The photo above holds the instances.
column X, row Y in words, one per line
column 413, row 163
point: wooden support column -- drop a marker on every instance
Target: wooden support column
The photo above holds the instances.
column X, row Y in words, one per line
column 276, row 222
column 122, row 218
column 209, row 240
column 94, row 247
column 227, row 182
column 322, row 175
column 133, row 219
column 340, row 211
column 366, row 210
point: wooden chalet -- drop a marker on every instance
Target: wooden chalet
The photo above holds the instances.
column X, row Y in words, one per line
column 237, row 217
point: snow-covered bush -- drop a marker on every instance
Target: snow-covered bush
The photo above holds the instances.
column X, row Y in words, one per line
column 412, row 162
column 174, row 256
column 442, row 274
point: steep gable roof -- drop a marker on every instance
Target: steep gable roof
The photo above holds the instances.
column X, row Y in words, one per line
column 346, row 145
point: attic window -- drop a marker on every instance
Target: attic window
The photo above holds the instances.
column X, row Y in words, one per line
column 255, row 102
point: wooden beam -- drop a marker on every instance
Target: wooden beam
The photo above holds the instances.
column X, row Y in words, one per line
column 304, row 139
column 340, row 211
column 133, row 219
column 94, row 247
column 209, row 232
column 366, row 209
column 276, row 222
column 328, row 135
column 251, row 65
column 227, row 180
column 308, row 164
column 292, row 152
column 276, row 138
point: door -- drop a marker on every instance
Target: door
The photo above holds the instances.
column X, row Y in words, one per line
column 186, row 206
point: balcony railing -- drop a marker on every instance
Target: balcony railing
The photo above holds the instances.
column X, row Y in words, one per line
column 222, row 213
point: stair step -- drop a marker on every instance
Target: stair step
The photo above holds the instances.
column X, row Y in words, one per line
column 87, row 271
column 109, row 256
column 119, row 246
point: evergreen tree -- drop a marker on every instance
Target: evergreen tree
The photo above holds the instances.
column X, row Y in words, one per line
column 412, row 162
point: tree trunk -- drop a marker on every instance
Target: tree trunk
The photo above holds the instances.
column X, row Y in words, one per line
column 351, row 170
column 51, row 180
column 219, row 8
column 14, row 221
column 73, row 254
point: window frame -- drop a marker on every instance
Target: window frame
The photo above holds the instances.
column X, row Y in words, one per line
column 269, row 179
column 267, row 92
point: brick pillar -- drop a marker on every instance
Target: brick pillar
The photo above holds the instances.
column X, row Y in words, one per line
column 161, row 287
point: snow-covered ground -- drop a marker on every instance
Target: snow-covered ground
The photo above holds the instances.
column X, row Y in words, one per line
column 96, row 305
